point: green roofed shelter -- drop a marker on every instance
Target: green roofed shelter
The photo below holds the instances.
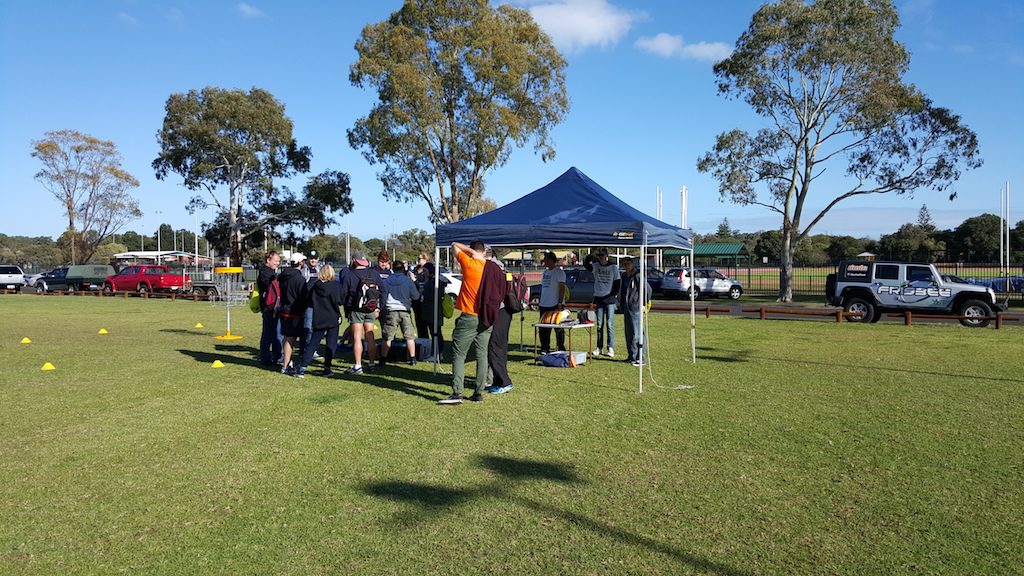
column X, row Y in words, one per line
column 725, row 253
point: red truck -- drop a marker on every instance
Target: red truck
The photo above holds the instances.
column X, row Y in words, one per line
column 144, row 278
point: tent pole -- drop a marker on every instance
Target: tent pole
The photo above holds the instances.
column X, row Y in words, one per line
column 643, row 307
column 435, row 340
column 522, row 313
column 693, row 314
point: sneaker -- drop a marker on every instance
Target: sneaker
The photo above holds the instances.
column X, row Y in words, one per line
column 412, row 362
column 502, row 389
column 371, row 367
column 288, row 371
column 453, row 399
column 354, row 370
column 491, row 389
column 317, row 356
column 596, row 352
column 610, row 353
column 300, row 373
column 637, row 363
column 327, row 372
column 476, row 397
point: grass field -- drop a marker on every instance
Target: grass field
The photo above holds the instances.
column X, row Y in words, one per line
column 803, row 448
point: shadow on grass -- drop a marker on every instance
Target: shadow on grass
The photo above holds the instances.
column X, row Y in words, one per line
column 209, row 357
column 433, row 500
column 390, row 382
column 184, row 331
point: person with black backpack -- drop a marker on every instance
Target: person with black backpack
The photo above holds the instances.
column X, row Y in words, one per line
column 268, row 287
column 363, row 293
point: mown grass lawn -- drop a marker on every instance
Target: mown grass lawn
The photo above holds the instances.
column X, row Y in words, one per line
column 803, row 448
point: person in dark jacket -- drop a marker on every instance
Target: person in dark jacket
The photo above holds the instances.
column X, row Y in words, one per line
column 324, row 297
column 494, row 288
column 270, row 339
column 362, row 317
column 629, row 303
column 432, row 305
column 292, row 310
column 418, row 275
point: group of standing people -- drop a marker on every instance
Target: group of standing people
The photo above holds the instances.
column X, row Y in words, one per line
column 302, row 306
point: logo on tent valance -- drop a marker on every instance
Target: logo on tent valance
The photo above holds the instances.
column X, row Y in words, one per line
column 626, row 235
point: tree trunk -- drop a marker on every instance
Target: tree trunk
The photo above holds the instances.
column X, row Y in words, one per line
column 786, row 266
column 74, row 235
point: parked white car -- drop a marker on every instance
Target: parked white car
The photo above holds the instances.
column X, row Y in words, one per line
column 11, row 277
column 454, row 283
column 708, row 282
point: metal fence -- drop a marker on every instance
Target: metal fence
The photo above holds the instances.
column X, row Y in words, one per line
column 809, row 279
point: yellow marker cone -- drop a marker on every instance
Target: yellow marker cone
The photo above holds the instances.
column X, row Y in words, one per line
column 103, row 331
column 199, row 325
column 48, row 366
column 217, row 364
column 25, row 340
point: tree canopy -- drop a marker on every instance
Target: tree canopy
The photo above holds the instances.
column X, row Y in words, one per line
column 85, row 175
column 459, row 84
column 242, row 140
column 827, row 78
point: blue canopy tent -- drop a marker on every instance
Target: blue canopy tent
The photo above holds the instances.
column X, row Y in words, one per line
column 572, row 210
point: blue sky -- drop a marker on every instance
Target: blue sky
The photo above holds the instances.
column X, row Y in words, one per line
column 644, row 106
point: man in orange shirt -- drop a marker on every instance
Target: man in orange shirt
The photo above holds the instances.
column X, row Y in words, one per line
column 468, row 330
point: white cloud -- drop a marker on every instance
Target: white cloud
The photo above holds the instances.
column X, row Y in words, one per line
column 250, row 11
column 575, row 25
column 126, row 18
column 673, row 46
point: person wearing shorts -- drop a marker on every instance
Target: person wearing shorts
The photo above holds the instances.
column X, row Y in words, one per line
column 362, row 319
column 401, row 292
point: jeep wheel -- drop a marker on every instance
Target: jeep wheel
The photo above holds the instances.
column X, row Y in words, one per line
column 860, row 306
column 40, row 287
column 142, row 288
column 735, row 292
column 975, row 309
column 72, row 287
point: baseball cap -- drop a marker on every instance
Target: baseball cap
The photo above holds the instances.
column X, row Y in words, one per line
column 312, row 254
column 360, row 259
column 296, row 257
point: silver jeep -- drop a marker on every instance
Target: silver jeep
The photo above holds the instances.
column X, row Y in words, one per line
column 872, row 288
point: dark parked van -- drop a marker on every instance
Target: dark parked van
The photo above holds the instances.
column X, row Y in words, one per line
column 75, row 278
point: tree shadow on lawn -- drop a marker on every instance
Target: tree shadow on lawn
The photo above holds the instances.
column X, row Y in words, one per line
column 430, row 501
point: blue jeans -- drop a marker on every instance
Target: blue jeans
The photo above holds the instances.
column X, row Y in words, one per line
column 606, row 323
column 270, row 339
column 631, row 319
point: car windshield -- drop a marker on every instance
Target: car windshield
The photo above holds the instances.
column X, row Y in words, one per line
column 953, row 278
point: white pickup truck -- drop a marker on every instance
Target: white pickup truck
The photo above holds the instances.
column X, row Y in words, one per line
column 11, row 277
